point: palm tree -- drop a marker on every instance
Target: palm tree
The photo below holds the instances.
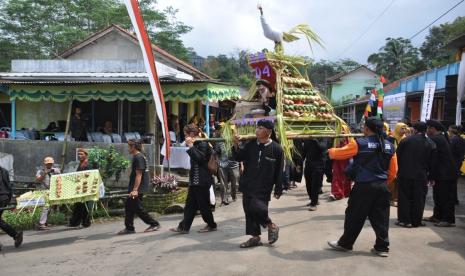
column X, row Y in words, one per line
column 397, row 59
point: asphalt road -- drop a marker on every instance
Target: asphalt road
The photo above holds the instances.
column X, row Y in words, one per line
column 301, row 249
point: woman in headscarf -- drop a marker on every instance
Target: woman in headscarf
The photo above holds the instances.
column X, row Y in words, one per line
column 399, row 134
column 340, row 184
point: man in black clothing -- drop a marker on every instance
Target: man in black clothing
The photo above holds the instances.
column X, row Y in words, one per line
column 444, row 174
column 6, row 192
column 263, row 161
column 415, row 159
column 200, row 180
column 138, row 185
column 314, row 156
column 78, row 126
column 375, row 163
column 457, row 146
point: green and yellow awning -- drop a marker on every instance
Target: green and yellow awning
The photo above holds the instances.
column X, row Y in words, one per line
column 183, row 92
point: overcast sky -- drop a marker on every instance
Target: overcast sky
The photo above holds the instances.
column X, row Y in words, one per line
column 222, row 26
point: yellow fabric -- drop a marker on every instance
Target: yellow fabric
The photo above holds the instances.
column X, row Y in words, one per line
column 397, row 134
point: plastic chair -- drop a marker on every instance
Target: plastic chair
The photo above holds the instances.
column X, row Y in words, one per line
column 116, row 138
column 97, row 136
column 106, row 138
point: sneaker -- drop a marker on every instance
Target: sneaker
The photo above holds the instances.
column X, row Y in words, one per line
column 335, row 245
column 312, row 208
column 444, row 224
column 152, row 228
column 380, row 253
column 332, row 198
column 126, row 232
column 18, row 239
column 273, row 233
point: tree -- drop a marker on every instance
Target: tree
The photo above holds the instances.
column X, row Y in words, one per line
column 43, row 29
column 319, row 71
column 397, row 59
column 234, row 69
column 433, row 50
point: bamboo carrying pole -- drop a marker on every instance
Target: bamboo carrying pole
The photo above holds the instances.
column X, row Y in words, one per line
column 297, row 136
column 65, row 144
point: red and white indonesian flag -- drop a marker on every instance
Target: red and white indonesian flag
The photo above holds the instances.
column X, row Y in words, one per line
column 149, row 61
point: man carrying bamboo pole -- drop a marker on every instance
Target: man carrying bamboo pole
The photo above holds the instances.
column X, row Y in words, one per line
column 263, row 161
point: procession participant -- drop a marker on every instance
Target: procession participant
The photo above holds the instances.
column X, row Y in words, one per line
column 267, row 96
column 228, row 170
column 444, row 174
column 415, row 156
column 399, row 133
column 314, row 159
column 297, row 165
column 138, row 185
column 6, row 192
column 200, row 180
column 43, row 176
column 374, row 163
column 263, row 161
column 457, row 146
column 340, row 184
column 81, row 210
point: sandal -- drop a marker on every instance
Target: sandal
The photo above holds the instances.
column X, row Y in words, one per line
column 179, row 230
column 273, row 233
column 126, row 232
column 252, row 242
column 152, row 228
column 403, row 224
column 207, row 229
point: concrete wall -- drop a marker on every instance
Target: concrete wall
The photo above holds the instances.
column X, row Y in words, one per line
column 353, row 84
column 111, row 46
column 37, row 115
column 28, row 155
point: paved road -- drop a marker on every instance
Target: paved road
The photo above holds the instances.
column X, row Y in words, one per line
column 301, row 249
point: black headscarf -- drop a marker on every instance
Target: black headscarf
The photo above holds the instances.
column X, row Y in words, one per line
column 377, row 126
column 438, row 126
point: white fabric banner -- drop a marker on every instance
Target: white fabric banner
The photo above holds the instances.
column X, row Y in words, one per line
column 460, row 91
column 428, row 98
column 149, row 61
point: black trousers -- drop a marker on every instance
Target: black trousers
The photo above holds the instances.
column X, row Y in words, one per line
column 367, row 199
column 81, row 214
column 134, row 207
column 256, row 214
column 411, row 200
column 314, row 182
column 198, row 198
column 5, row 226
column 444, row 200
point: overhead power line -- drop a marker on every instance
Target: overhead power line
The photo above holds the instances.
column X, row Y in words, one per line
column 420, row 31
column 367, row 29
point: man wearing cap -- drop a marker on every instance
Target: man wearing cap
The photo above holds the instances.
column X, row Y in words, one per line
column 263, row 161
column 43, row 176
column 267, row 96
column 374, row 165
column 444, row 175
column 415, row 155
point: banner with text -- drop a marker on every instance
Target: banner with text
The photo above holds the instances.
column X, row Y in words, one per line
column 394, row 108
column 428, row 98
